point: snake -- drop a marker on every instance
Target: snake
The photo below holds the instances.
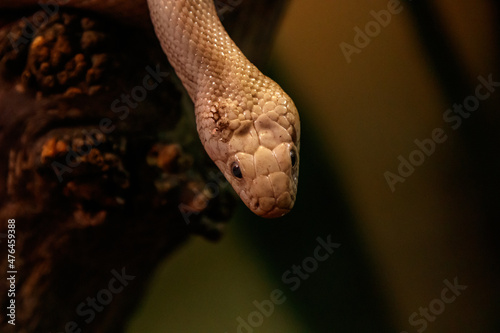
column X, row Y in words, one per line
column 247, row 124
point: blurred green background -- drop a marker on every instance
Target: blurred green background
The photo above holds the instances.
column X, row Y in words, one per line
column 357, row 117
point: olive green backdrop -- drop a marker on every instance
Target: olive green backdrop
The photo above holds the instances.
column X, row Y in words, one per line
column 397, row 247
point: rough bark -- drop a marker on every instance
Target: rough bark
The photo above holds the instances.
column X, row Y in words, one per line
column 100, row 166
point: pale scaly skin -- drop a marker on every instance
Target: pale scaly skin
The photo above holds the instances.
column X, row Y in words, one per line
column 244, row 119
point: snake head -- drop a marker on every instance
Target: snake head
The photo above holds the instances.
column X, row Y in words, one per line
column 261, row 159
column 248, row 125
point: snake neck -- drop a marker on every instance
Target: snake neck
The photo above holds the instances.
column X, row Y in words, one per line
column 224, row 85
column 197, row 45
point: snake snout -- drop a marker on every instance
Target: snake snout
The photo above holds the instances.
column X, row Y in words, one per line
column 271, row 195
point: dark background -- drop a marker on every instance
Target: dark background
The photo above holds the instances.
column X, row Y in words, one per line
column 397, row 248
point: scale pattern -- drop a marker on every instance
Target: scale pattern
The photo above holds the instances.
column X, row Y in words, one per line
column 248, row 125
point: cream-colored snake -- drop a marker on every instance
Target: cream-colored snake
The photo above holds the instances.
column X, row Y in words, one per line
column 248, row 125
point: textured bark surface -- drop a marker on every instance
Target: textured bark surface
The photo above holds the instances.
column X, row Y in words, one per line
column 100, row 166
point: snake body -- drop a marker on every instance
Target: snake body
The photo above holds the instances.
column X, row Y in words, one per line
column 248, row 125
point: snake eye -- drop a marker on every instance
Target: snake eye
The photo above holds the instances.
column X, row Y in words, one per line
column 235, row 168
column 293, row 157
